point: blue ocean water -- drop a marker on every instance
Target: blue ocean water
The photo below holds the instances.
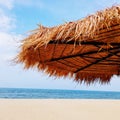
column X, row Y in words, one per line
column 17, row 93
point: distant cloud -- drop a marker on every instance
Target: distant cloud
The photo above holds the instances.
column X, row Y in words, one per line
column 10, row 4
column 6, row 21
column 8, row 40
column 8, row 45
column 7, row 3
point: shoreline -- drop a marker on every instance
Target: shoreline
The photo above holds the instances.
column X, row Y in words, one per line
column 80, row 99
column 59, row 109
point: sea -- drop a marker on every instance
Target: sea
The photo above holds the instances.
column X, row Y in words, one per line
column 22, row 93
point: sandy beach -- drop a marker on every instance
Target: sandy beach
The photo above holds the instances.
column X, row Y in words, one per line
column 56, row 109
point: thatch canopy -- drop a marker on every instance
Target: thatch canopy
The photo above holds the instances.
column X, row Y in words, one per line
column 88, row 49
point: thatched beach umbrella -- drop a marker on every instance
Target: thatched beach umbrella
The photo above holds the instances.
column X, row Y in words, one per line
column 87, row 49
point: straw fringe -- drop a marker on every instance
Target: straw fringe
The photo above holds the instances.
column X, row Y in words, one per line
column 81, row 77
column 80, row 30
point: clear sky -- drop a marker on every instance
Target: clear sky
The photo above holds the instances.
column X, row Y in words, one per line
column 18, row 17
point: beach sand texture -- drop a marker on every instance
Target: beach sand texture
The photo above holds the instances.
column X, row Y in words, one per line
column 58, row 109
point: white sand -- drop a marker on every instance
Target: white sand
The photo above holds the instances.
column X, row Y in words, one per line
column 55, row 109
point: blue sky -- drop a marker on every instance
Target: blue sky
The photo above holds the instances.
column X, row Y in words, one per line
column 18, row 17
